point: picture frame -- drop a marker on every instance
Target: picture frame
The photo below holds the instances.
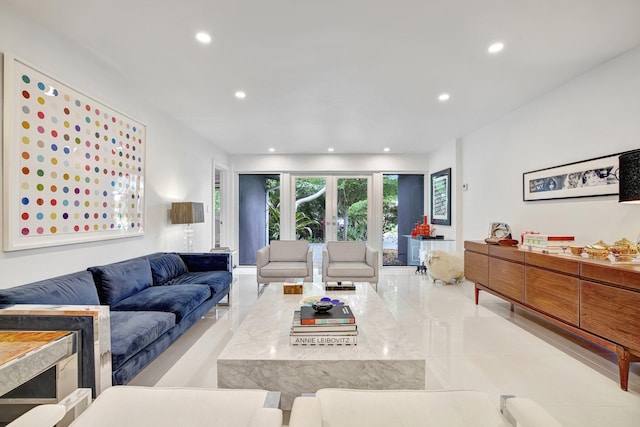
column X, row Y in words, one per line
column 441, row 197
column 587, row 178
column 73, row 166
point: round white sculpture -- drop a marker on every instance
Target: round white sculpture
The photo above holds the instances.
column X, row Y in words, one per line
column 445, row 266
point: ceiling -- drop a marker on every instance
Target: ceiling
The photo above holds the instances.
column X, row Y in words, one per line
column 354, row 75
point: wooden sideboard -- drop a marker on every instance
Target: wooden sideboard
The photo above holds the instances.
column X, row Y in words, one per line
column 596, row 300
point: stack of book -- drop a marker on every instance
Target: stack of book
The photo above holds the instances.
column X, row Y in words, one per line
column 546, row 243
column 334, row 327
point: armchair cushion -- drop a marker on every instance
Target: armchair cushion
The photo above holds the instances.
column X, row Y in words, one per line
column 288, row 250
column 284, row 269
column 347, row 251
column 350, row 269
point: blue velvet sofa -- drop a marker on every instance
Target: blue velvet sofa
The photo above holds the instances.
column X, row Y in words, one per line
column 152, row 301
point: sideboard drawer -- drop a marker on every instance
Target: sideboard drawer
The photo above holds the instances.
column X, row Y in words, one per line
column 611, row 312
column 553, row 293
column 507, row 278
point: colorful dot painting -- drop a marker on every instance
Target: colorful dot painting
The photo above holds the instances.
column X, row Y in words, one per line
column 74, row 180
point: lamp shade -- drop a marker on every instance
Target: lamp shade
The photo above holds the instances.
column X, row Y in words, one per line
column 630, row 177
column 187, row 212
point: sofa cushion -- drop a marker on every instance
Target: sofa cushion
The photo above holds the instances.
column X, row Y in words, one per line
column 166, row 267
column 218, row 281
column 350, row 269
column 284, row 269
column 179, row 300
column 288, row 250
column 120, row 280
column 70, row 289
column 347, row 251
column 132, row 331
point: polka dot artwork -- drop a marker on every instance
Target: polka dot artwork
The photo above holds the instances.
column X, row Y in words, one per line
column 81, row 164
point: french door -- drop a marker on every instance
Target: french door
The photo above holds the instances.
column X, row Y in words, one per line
column 331, row 207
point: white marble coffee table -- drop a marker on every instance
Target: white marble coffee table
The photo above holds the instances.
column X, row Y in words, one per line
column 259, row 354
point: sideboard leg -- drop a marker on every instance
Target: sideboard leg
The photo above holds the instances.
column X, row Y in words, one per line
column 477, row 293
column 624, row 358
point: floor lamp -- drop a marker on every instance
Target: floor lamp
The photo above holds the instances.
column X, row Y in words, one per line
column 187, row 213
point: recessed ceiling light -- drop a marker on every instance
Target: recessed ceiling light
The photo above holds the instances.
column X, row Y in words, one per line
column 271, row 150
column 444, row 97
column 496, row 47
column 330, row 149
column 386, row 149
column 203, row 37
column 240, row 94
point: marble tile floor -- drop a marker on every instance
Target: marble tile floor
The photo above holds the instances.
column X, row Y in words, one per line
column 486, row 347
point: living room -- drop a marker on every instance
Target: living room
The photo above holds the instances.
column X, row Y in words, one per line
column 587, row 114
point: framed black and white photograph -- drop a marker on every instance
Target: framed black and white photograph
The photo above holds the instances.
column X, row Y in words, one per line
column 441, row 197
column 588, row 178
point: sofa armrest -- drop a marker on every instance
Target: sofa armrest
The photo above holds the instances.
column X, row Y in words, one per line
column 262, row 257
column 306, row 412
column 47, row 415
column 372, row 259
column 325, row 261
column 207, row 261
column 310, row 261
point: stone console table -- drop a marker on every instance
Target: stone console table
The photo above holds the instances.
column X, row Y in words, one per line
column 596, row 300
column 259, row 354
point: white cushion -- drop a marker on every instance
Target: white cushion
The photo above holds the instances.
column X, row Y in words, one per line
column 284, row 269
column 355, row 269
column 346, row 251
column 129, row 406
column 288, row 250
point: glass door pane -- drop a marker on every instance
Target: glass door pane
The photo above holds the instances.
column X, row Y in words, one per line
column 310, row 208
column 352, row 208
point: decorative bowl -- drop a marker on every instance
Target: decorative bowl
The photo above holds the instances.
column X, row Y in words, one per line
column 322, row 298
column 597, row 252
column 576, row 250
column 322, row 306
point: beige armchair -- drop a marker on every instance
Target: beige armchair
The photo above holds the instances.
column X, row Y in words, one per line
column 131, row 406
column 344, row 407
column 354, row 261
column 283, row 259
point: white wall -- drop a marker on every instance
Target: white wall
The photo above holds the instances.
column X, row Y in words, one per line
column 594, row 115
column 178, row 162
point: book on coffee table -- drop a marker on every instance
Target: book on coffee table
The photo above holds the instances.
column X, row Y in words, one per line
column 323, row 340
column 340, row 286
column 337, row 314
column 330, row 329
